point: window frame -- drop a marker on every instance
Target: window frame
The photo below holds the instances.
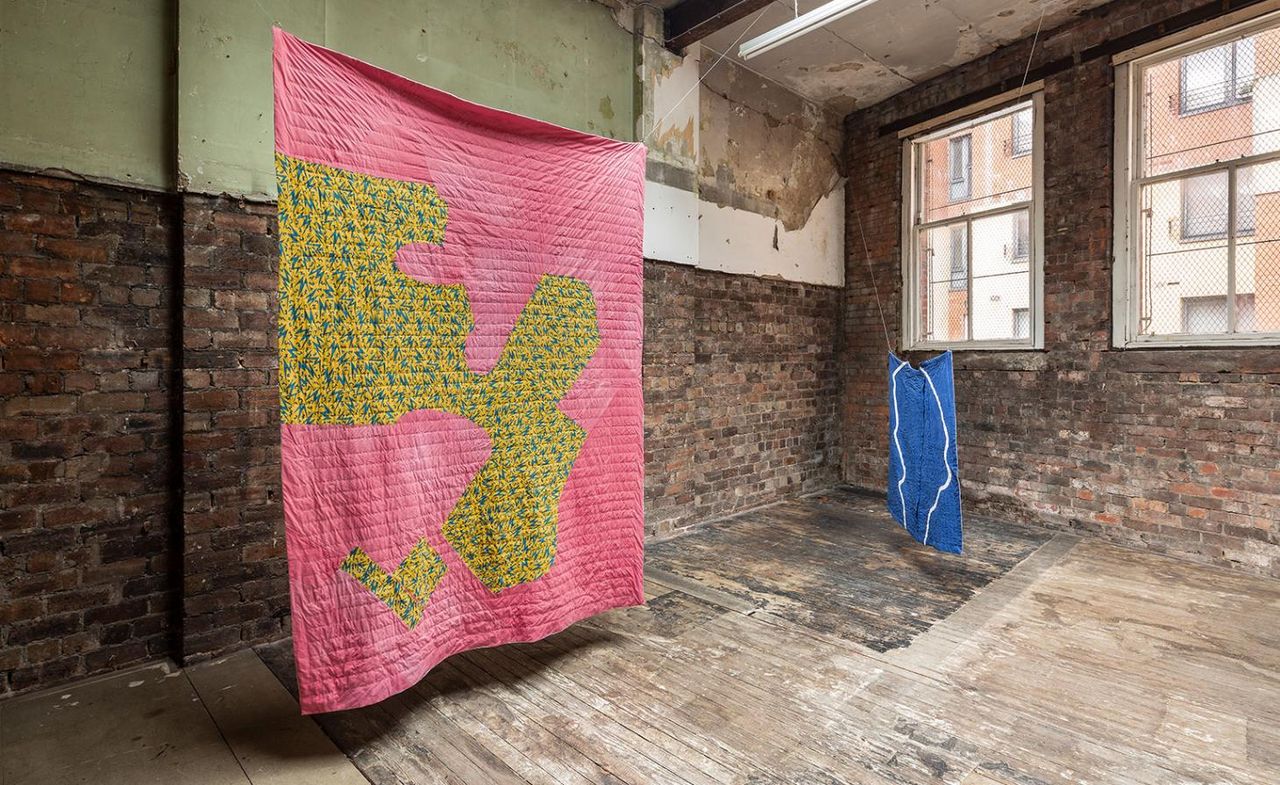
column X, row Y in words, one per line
column 1126, row 332
column 912, row 184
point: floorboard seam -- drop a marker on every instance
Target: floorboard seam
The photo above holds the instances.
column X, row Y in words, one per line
column 214, row 721
column 948, row 634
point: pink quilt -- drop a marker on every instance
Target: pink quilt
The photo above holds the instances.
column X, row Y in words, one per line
column 461, row 314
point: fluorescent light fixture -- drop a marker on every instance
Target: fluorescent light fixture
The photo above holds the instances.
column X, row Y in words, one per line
column 806, row 23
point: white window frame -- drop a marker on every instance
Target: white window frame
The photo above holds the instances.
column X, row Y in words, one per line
column 1129, row 181
column 913, row 190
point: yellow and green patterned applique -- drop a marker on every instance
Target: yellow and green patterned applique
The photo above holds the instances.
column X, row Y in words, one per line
column 363, row 343
column 406, row 590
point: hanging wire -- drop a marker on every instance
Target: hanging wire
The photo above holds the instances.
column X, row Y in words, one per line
column 1035, row 40
column 701, row 78
column 266, row 13
column 875, row 288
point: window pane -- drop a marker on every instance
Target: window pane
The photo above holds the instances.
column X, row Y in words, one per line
column 1206, row 79
column 1000, row 285
column 1020, row 250
column 1204, row 206
column 1258, row 249
column 1208, row 315
column 1022, row 132
column 1175, row 266
column 959, row 257
column 960, row 159
column 975, row 169
column 1215, row 105
column 1021, row 323
column 1204, row 315
column 944, row 296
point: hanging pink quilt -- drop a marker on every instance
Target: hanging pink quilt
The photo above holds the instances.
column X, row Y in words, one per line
column 461, row 316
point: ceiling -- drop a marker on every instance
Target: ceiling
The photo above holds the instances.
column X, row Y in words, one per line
column 886, row 47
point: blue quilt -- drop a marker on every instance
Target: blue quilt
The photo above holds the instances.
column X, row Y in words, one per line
column 924, row 472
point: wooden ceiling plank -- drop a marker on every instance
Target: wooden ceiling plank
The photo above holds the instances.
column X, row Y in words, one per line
column 694, row 20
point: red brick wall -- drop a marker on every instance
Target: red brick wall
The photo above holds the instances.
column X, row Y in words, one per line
column 1173, row 450
column 88, row 489
column 740, row 390
column 235, row 580
column 141, row 506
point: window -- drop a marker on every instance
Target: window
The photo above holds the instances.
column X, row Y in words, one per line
column 1021, row 323
column 1208, row 315
column 1020, row 249
column 1217, row 78
column 971, row 252
column 961, row 157
column 1198, row 192
column 959, row 258
column 1204, row 205
column 1021, row 143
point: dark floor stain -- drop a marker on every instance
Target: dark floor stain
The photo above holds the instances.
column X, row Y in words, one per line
column 838, row 564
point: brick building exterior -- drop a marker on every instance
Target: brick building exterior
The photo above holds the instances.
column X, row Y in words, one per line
column 1172, row 450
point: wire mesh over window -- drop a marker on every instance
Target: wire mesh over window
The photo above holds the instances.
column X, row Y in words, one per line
column 972, row 236
column 1022, row 142
column 1208, row 190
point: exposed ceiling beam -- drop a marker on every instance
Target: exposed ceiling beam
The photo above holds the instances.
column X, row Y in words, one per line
column 694, row 20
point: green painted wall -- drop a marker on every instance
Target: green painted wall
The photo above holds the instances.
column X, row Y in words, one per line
column 86, row 85
column 565, row 61
column 89, row 85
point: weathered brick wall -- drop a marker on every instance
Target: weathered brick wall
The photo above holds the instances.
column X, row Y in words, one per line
column 87, row 484
column 235, row 581
column 1173, row 450
column 741, row 392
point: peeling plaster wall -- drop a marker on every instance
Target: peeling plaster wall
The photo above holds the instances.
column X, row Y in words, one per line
column 744, row 175
column 764, row 149
column 740, row 241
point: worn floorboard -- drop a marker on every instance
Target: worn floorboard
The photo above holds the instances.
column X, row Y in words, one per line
column 227, row 722
column 832, row 564
column 814, row 642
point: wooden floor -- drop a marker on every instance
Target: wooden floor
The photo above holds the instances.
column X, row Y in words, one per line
column 813, row 642
column 227, row 722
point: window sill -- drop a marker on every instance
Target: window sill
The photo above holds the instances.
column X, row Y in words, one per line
column 974, row 346
column 1189, row 239
column 1252, row 341
column 1187, row 111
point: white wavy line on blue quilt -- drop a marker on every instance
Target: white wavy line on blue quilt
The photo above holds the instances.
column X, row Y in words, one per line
column 946, row 442
column 897, row 423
